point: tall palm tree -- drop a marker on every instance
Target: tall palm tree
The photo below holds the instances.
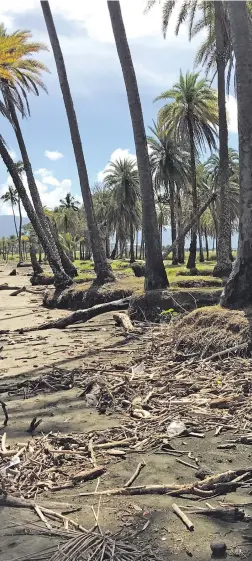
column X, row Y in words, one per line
column 238, row 290
column 192, row 116
column 19, row 75
column 215, row 53
column 122, row 179
column 155, row 272
column 102, row 267
column 169, row 165
column 67, row 209
column 11, row 197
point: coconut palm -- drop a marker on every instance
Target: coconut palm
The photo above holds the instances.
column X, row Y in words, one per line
column 102, row 267
column 169, row 165
column 11, row 197
column 20, row 74
column 155, row 276
column 67, row 209
column 122, row 179
column 192, row 116
column 215, row 53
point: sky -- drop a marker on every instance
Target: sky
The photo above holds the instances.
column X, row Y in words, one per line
column 97, row 87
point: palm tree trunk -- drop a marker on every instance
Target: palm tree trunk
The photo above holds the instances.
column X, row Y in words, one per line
column 65, row 260
column 238, row 290
column 202, row 259
column 181, row 244
column 60, row 276
column 173, row 222
column 20, row 230
column 155, row 276
column 31, row 181
column 132, row 253
column 102, row 267
column 14, row 218
column 114, row 251
column 206, row 243
column 223, row 266
column 191, row 264
column 136, row 244
column 37, row 269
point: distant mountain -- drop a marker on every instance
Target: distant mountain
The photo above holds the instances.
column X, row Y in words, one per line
column 7, row 227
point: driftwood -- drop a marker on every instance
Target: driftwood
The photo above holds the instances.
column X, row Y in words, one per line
column 209, row 487
column 24, row 264
column 124, row 321
column 5, row 286
column 186, row 521
column 88, row 474
column 194, row 219
column 139, row 468
column 81, row 316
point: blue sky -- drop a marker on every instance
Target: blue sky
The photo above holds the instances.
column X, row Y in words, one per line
column 97, row 86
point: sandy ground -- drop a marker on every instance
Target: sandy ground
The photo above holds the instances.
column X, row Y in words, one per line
column 87, row 345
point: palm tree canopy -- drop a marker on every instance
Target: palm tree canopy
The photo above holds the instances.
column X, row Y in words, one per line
column 20, row 72
column 69, row 202
column 194, row 104
column 123, row 180
column 168, row 160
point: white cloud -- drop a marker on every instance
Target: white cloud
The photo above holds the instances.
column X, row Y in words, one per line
column 53, row 155
column 232, row 113
column 119, row 153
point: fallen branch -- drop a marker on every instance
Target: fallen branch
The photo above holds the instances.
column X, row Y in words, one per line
column 139, row 468
column 5, row 286
column 18, row 291
column 88, row 474
column 186, row 521
column 226, row 352
column 81, row 316
column 124, row 321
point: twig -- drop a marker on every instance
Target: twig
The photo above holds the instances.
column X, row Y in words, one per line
column 91, row 451
column 183, row 517
column 5, row 412
column 226, row 351
column 139, row 468
column 186, row 464
column 42, row 517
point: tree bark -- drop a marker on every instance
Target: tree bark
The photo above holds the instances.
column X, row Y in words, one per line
column 191, row 264
column 173, row 222
column 181, row 243
column 102, row 267
column 223, row 266
column 14, row 218
column 37, row 269
column 20, row 230
column 65, row 260
column 155, row 271
column 238, row 290
column 132, row 253
column 206, row 243
column 60, row 276
column 202, row 259
column 114, row 251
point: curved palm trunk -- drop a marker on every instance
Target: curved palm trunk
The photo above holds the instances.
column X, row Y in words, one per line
column 61, row 279
column 181, row 244
column 173, row 222
column 102, row 267
column 191, row 264
column 37, row 269
column 223, row 266
column 32, row 185
column 20, row 230
column 65, row 260
column 206, row 244
column 114, row 251
column 238, row 290
column 155, row 276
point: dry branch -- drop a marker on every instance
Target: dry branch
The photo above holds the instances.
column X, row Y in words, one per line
column 81, row 315
column 139, row 468
column 124, row 321
column 183, row 517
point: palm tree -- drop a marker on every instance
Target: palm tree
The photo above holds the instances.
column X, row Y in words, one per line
column 169, row 165
column 102, row 267
column 67, row 209
column 19, row 75
column 215, row 53
column 11, row 197
column 155, row 272
column 192, row 116
column 238, row 290
column 122, row 179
